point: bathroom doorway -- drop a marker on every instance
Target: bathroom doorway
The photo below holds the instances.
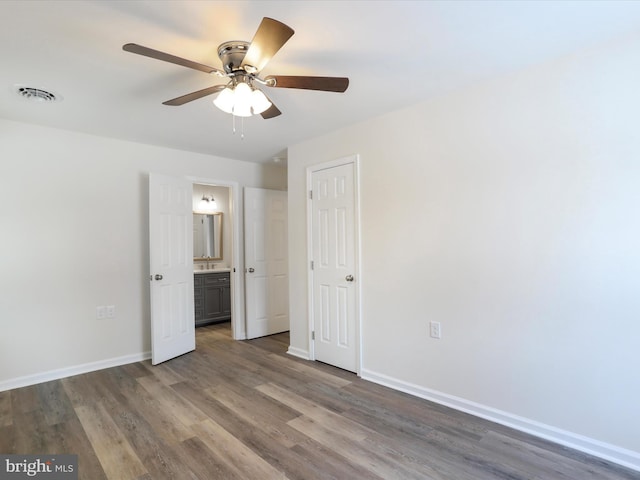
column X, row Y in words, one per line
column 218, row 291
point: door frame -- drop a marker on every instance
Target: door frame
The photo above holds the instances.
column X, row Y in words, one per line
column 238, row 328
column 355, row 160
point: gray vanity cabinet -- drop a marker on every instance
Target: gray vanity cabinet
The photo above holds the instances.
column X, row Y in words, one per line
column 212, row 297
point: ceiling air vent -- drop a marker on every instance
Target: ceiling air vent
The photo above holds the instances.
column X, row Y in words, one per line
column 36, row 94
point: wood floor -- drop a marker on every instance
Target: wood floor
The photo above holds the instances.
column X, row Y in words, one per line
column 247, row 410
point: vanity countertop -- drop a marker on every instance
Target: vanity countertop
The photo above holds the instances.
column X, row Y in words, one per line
column 212, row 270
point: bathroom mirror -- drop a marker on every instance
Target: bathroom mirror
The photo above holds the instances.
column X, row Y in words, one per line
column 207, row 236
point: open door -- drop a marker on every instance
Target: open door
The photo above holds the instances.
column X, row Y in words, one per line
column 266, row 265
column 171, row 264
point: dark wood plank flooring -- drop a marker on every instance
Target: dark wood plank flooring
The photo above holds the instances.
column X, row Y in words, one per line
column 247, row 410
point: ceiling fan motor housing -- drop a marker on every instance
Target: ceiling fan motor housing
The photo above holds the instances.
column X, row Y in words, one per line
column 231, row 54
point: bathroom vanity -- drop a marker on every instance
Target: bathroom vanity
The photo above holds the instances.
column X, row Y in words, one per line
column 212, row 296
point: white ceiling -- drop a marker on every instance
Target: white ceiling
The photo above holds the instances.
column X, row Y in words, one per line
column 395, row 53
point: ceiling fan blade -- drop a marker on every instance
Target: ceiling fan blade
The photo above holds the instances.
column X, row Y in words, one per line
column 326, row 84
column 269, row 38
column 271, row 112
column 189, row 97
column 165, row 57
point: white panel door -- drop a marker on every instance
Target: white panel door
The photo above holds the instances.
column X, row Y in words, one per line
column 266, row 265
column 171, row 263
column 334, row 253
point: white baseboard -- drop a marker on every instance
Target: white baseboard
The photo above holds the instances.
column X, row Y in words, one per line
column 70, row 371
column 606, row 451
column 298, row 352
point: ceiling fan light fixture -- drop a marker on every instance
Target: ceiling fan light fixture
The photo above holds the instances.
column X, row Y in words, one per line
column 242, row 100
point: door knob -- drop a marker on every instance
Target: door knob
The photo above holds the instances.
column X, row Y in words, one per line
column 251, row 270
column 158, row 277
column 349, row 278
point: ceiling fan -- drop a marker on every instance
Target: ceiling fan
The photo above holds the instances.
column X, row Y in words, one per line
column 242, row 63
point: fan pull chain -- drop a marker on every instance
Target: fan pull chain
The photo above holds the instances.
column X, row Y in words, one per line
column 241, row 126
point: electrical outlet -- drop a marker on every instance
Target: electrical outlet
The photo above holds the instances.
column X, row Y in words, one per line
column 111, row 311
column 101, row 312
column 434, row 329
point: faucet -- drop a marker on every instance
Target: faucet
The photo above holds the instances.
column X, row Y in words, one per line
column 208, row 258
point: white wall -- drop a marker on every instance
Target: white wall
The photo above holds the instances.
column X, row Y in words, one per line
column 509, row 213
column 74, row 235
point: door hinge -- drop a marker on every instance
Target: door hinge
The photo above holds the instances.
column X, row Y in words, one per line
column 313, row 335
column 311, row 264
column 310, row 194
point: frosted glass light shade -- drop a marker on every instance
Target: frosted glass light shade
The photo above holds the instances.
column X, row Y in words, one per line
column 242, row 110
column 225, row 100
column 242, row 97
column 260, row 102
